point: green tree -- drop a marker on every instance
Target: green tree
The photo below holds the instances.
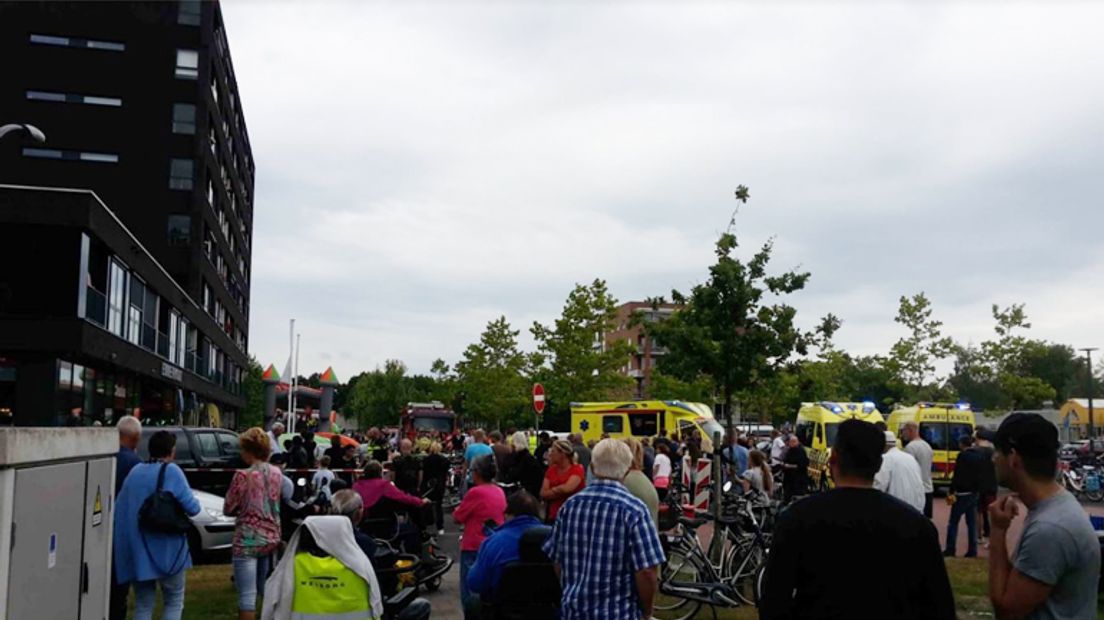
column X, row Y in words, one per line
column 1006, row 354
column 379, row 396
column 253, row 412
column 973, row 379
column 492, row 376
column 914, row 356
column 665, row 387
column 576, row 369
column 1056, row 364
column 725, row 329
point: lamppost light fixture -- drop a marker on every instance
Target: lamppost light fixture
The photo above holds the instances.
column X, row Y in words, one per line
column 34, row 132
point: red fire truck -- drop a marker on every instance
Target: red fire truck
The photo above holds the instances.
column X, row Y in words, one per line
column 428, row 417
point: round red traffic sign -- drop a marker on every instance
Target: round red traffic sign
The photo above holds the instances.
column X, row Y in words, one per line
column 538, row 398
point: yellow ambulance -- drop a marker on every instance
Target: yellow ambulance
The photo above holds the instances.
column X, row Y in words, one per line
column 817, row 424
column 642, row 418
column 941, row 425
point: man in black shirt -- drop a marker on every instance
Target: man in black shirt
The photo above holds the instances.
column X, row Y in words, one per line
column 408, row 469
column 795, row 470
column 823, row 546
column 970, row 472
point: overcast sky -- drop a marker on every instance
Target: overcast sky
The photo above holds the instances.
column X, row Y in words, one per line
column 425, row 168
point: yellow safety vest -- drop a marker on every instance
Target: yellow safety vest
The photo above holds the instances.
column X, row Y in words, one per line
column 326, row 590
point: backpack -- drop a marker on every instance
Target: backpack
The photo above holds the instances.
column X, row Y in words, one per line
column 161, row 513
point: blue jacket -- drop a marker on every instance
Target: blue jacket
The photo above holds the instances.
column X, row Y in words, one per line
column 738, row 456
column 144, row 556
column 125, row 461
column 495, row 553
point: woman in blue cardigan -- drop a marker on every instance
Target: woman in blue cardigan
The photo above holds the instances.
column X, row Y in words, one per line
column 148, row 558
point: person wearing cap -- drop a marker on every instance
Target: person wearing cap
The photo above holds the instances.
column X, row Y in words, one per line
column 1057, row 561
column 822, row 543
column 965, row 488
column 920, row 450
column 899, row 475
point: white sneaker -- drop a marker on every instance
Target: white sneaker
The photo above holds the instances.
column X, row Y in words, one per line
column 440, row 532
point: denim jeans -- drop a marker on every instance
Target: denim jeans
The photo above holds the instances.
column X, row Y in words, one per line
column 966, row 504
column 249, row 578
column 469, row 600
column 172, row 593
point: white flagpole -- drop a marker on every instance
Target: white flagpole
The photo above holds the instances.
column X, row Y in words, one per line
column 291, row 351
column 295, row 373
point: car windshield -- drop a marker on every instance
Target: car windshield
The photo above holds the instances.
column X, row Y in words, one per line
column 443, row 425
column 710, row 427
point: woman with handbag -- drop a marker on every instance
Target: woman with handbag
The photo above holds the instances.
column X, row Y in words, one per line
column 254, row 499
column 151, row 525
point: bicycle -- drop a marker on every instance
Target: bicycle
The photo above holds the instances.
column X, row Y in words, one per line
column 691, row 578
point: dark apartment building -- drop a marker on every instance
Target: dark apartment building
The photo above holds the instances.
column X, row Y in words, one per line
column 140, row 108
column 642, row 363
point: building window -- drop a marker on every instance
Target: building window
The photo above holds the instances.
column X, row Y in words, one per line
column 41, row 95
column 116, row 297
column 184, row 115
column 188, row 12
column 181, row 174
column 181, row 341
column 208, row 299
column 173, row 352
column 150, row 308
column 187, row 64
column 180, row 230
column 45, row 39
column 134, row 311
column 214, row 90
column 107, row 158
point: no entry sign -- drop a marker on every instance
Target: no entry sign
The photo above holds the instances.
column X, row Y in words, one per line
column 538, row 398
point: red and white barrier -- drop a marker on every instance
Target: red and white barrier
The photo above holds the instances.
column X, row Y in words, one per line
column 702, row 481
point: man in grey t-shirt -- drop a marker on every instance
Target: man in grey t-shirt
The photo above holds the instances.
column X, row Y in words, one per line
column 1056, row 567
column 922, row 452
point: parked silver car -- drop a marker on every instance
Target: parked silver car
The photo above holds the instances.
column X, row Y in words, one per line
column 213, row 531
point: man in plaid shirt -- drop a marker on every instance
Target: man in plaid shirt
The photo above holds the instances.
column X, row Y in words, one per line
column 605, row 545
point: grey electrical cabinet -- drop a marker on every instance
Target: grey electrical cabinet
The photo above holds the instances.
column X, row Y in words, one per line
column 57, row 488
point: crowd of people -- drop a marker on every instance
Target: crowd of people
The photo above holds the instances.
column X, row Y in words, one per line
column 601, row 499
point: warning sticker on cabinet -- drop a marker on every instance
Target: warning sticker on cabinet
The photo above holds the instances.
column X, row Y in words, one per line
column 97, row 509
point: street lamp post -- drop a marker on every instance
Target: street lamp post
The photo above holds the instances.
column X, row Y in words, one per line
column 34, row 132
column 1088, row 359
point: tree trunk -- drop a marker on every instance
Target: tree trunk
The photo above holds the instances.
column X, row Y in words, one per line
column 728, row 409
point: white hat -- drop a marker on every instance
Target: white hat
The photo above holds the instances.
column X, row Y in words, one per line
column 891, row 439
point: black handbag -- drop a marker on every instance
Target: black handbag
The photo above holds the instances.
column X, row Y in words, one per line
column 161, row 513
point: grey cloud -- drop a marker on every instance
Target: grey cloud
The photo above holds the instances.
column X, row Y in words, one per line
column 423, row 168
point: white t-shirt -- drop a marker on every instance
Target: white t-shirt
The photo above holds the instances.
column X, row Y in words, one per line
column 778, row 448
column 662, row 467
column 900, row 477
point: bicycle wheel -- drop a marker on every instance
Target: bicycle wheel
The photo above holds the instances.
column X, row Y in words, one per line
column 742, row 569
column 681, row 567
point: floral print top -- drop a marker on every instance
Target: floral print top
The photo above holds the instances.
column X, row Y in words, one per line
column 254, row 499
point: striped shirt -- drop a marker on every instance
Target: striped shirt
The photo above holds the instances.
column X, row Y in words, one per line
column 602, row 537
